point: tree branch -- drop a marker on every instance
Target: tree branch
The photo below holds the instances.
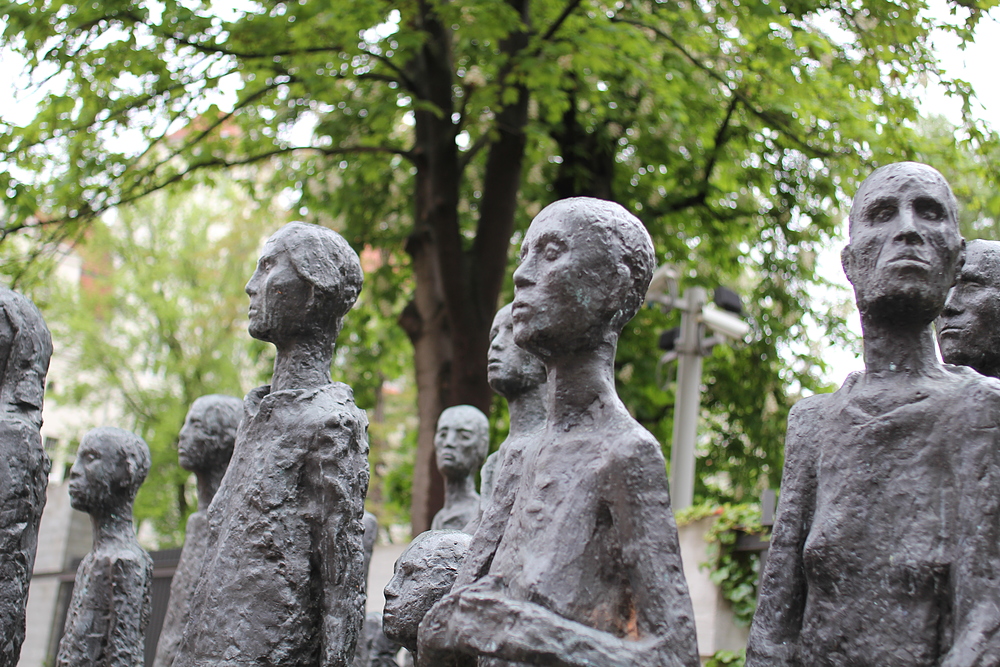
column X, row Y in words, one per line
column 567, row 10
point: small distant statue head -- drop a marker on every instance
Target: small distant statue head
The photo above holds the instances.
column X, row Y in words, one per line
column 308, row 277
column 370, row 523
column 111, row 464
column 461, row 441
column 585, row 267
column 905, row 249
column 25, row 349
column 424, row 573
column 968, row 329
column 206, row 440
column 511, row 370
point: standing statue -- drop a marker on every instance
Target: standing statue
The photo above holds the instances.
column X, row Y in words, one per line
column 968, row 330
column 424, row 573
column 204, row 446
column 107, row 618
column 461, row 442
column 25, row 348
column 887, row 543
column 519, row 377
column 588, row 571
column 283, row 580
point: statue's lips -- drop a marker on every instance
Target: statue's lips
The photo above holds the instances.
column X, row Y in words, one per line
column 951, row 330
column 913, row 260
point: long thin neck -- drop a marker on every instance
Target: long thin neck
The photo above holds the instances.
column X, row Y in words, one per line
column 303, row 363
column 208, row 485
column 896, row 347
column 459, row 489
column 527, row 411
column 580, row 385
column 112, row 525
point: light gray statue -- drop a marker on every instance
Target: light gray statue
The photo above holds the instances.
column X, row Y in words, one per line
column 968, row 330
column 205, row 445
column 461, row 442
column 25, row 348
column 887, row 542
column 283, row 580
column 519, row 377
column 424, row 572
column 107, row 618
column 588, row 570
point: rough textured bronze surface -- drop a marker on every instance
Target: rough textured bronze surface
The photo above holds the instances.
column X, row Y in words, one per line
column 588, row 569
column 886, row 549
column 968, row 330
column 107, row 618
column 205, row 446
column 283, row 580
column 460, row 443
column 25, row 348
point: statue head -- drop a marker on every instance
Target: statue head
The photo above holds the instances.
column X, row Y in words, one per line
column 905, row 249
column 25, row 349
column 585, row 267
column 307, row 279
column 461, row 441
column 206, row 440
column 968, row 329
column 511, row 370
column 423, row 574
column 111, row 464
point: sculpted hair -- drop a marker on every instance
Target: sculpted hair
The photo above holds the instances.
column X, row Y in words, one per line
column 445, row 549
column 626, row 238
column 221, row 415
column 324, row 259
column 133, row 452
column 28, row 362
column 924, row 173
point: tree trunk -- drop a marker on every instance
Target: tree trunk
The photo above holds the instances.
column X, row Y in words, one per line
column 456, row 293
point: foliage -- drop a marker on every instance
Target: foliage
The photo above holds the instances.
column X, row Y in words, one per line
column 157, row 319
column 734, row 572
column 727, row 658
column 735, row 129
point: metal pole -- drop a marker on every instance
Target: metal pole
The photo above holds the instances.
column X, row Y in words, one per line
column 688, row 400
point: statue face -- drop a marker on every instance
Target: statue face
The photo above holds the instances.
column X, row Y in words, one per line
column 904, row 245
column 420, row 578
column 511, row 370
column 196, row 444
column 564, row 287
column 279, row 296
column 969, row 327
column 98, row 476
column 460, row 443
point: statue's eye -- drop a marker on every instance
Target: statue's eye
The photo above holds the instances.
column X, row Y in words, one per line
column 882, row 213
column 929, row 209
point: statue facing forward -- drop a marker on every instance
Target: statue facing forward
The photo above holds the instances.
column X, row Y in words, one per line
column 588, row 570
column 460, row 445
column 25, row 348
column 283, row 580
column 886, row 547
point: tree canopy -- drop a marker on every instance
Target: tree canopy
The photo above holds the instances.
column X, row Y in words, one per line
column 434, row 129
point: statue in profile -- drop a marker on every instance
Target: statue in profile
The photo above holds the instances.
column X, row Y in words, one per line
column 204, row 447
column 283, row 579
column 886, row 547
column 968, row 329
column 107, row 617
column 588, row 570
column 25, row 348
column 518, row 376
column 423, row 573
column 460, row 444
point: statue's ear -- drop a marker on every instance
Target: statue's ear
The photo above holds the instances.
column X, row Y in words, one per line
column 847, row 261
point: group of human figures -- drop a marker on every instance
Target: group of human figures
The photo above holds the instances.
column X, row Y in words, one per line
column 886, row 549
